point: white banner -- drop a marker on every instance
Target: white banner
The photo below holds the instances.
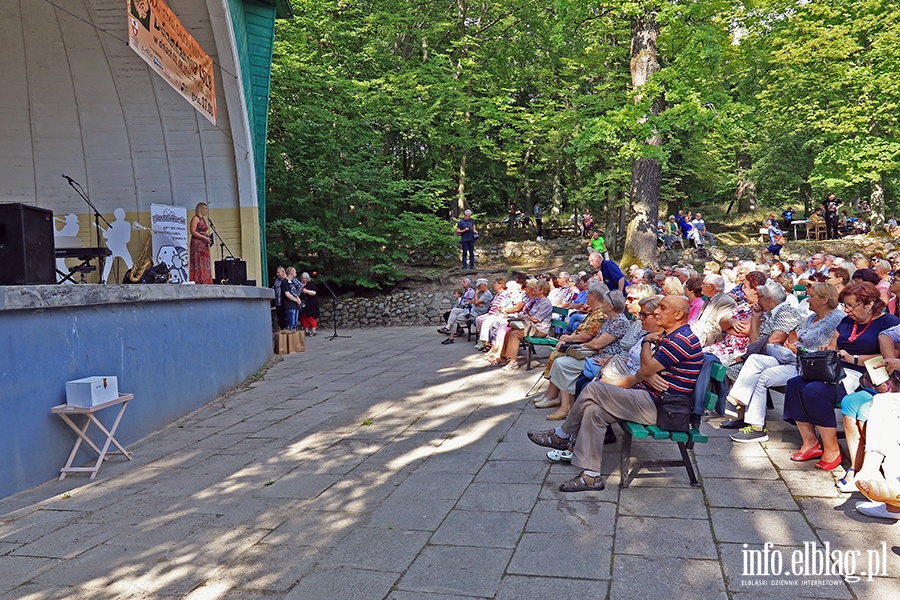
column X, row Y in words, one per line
column 170, row 240
column 159, row 38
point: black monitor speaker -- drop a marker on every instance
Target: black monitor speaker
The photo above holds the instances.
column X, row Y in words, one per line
column 231, row 272
column 26, row 245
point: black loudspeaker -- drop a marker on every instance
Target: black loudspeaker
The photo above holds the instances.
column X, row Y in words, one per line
column 231, row 272
column 26, row 245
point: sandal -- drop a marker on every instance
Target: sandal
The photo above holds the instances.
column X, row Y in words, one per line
column 549, row 439
column 511, row 366
column 583, row 483
column 880, row 490
column 449, row 340
column 560, row 455
column 847, row 483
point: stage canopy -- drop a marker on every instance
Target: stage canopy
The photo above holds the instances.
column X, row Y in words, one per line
column 76, row 99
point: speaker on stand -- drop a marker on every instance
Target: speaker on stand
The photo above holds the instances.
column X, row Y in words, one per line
column 27, row 253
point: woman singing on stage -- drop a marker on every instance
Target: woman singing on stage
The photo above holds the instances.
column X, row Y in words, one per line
column 201, row 240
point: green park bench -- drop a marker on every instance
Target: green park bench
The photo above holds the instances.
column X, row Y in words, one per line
column 558, row 325
column 630, row 466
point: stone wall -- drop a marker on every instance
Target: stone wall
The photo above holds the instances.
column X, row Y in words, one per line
column 415, row 308
column 400, row 308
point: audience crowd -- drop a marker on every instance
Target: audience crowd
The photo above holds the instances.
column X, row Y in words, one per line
column 633, row 337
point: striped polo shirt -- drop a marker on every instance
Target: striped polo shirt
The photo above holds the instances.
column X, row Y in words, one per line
column 681, row 356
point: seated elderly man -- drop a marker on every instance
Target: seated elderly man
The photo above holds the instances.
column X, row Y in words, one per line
column 718, row 306
column 456, row 315
column 670, row 361
column 474, row 308
column 577, row 305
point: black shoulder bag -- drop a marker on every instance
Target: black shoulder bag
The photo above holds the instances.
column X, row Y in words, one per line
column 673, row 412
column 824, row 366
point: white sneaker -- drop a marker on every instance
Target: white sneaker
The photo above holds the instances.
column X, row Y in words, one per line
column 877, row 510
column 560, row 455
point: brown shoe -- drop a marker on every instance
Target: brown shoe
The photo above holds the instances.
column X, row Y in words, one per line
column 548, row 439
column 583, row 483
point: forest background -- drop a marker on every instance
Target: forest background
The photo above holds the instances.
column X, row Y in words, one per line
column 390, row 117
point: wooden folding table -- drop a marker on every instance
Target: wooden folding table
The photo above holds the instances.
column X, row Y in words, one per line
column 65, row 411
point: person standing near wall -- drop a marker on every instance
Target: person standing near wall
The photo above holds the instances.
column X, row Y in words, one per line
column 831, row 206
column 309, row 313
column 280, row 315
column 468, row 234
column 201, row 272
column 538, row 219
column 291, row 297
column 598, row 244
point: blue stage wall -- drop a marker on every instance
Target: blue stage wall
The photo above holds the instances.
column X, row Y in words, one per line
column 174, row 347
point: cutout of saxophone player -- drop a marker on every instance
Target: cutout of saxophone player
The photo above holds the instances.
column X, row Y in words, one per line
column 201, row 272
column 117, row 236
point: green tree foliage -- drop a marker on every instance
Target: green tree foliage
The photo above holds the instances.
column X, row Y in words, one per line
column 389, row 117
column 827, row 98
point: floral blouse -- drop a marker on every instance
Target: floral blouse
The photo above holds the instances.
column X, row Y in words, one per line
column 733, row 345
column 616, row 327
column 592, row 323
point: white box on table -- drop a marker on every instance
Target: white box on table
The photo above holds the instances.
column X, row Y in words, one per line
column 92, row 391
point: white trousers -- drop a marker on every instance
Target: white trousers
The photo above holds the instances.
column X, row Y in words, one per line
column 491, row 322
column 883, row 432
column 759, row 373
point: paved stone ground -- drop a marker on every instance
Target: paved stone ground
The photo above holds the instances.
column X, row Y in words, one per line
column 389, row 466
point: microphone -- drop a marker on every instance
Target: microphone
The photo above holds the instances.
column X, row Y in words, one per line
column 69, row 179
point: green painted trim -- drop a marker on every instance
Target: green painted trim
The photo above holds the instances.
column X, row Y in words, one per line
column 283, row 8
column 253, row 22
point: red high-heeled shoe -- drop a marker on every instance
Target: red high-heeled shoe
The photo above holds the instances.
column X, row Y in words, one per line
column 829, row 466
column 814, row 452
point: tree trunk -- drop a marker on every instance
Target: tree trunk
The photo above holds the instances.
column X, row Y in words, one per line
column 640, row 241
column 646, row 174
column 746, row 196
column 746, row 188
column 876, row 206
column 461, row 188
column 557, row 197
column 805, row 194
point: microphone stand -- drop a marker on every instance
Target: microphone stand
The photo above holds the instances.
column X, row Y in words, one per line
column 334, row 313
column 222, row 245
column 97, row 218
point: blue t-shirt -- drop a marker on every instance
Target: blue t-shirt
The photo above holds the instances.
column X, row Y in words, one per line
column 466, row 236
column 537, row 211
column 611, row 274
column 579, row 298
column 685, row 226
column 867, row 342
